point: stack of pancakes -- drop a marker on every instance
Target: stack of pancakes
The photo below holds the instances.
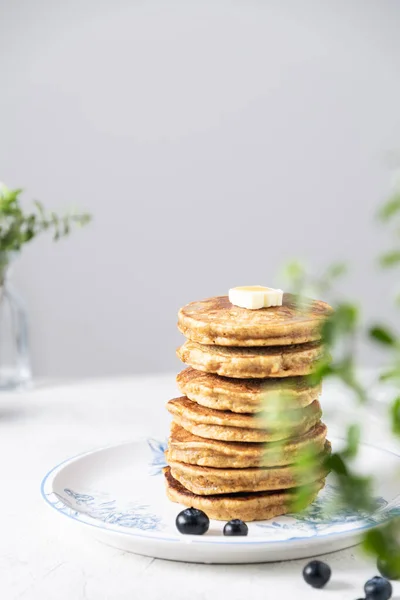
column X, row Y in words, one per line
column 248, row 412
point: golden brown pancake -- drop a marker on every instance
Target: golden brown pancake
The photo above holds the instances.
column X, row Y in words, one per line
column 246, row 395
column 209, row 416
column 205, row 481
column 185, row 447
column 256, row 506
column 209, row 423
column 277, row 361
column 215, row 321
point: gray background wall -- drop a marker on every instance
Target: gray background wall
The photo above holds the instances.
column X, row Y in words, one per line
column 211, row 140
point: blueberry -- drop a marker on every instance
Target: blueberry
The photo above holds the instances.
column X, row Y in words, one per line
column 192, row 521
column 378, row 588
column 317, row 573
column 389, row 567
column 236, row 527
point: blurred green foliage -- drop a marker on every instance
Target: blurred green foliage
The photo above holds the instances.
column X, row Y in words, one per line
column 341, row 333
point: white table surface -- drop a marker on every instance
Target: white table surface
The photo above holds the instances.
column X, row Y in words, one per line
column 42, row 556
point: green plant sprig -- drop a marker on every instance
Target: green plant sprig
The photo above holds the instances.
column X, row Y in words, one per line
column 18, row 227
column 390, row 213
column 340, row 333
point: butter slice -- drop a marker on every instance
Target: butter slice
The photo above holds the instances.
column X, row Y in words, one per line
column 254, row 297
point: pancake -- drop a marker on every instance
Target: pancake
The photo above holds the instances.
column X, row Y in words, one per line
column 245, row 395
column 257, row 506
column 264, row 420
column 205, row 481
column 208, row 423
column 277, row 361
column 185, row 447
column 215, row 321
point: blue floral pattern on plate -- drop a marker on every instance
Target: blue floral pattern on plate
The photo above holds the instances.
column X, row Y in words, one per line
column 101, row 508
column 158, row 461
column 318, row 519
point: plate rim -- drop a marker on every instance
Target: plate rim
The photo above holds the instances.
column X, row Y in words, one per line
column 48, row 480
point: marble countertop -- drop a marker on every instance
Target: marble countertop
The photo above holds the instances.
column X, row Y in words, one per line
column 42, row 556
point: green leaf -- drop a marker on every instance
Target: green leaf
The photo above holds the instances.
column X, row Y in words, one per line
column 390, row 375
column 390, row 208
column 375, row 542
column 346, row 316
column 56, row 226
column 383, row 543
column 40, row 209
column 335, row 463
column 66, row 225
column 323, row 369
column 382, row 335
column 295, row 275
column 356, row 492
column 83, row 219
column 9, row 196
column 324, row 283
column 336, row 270
column 389, row 564
column 301, row 498
column 390, row 259
column 346, row 374
column 309, row 460
column 395, row 415
column 353, row 441
column 4, row 190
column 15, row 193
column 342, row 322
column 328, row 331
column 294, row 270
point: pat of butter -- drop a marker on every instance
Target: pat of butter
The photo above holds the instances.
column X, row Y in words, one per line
column 254, row 297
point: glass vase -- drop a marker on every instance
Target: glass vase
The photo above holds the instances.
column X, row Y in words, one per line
column 15, row 365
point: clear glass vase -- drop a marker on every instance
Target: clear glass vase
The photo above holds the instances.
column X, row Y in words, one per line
column 15, row 365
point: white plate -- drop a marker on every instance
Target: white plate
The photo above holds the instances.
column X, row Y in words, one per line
column 118, row 494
